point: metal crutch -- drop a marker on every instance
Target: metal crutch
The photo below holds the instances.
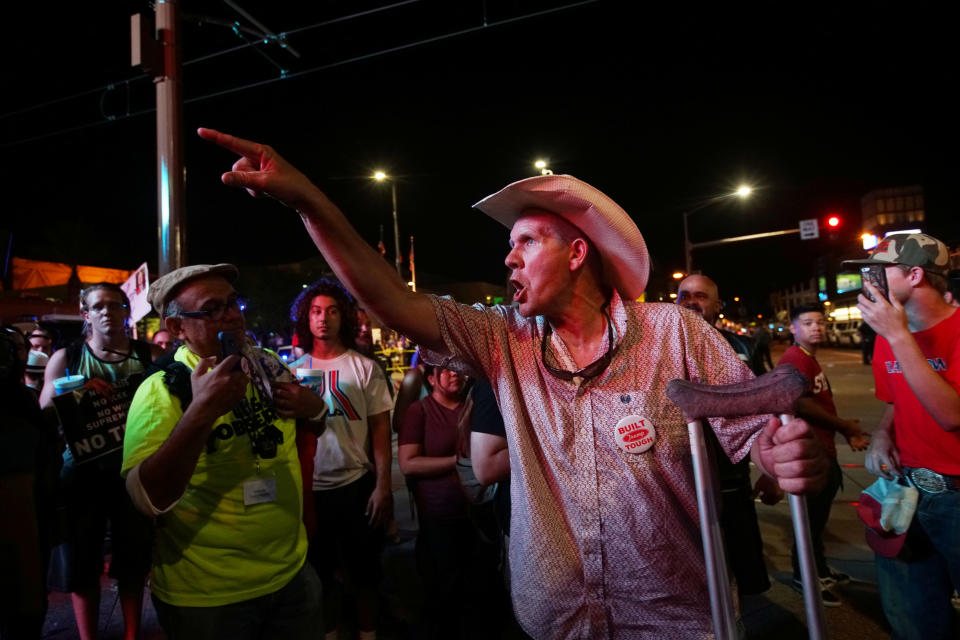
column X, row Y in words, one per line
column 774, row 392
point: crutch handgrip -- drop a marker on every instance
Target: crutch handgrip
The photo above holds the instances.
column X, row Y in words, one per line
column 774, row 392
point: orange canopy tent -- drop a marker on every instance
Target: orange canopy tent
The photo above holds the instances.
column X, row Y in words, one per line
column 34, row 274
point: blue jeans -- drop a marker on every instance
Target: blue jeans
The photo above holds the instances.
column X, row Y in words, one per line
column 293, row 612
column 915, row 586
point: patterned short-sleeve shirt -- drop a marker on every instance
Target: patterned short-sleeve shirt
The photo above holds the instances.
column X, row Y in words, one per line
column 603, row 543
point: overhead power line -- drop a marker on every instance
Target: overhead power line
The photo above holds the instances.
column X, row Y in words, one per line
column 230, row 24
column 304, row 72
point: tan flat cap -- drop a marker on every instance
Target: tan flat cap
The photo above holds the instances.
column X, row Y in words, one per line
column 165, row 288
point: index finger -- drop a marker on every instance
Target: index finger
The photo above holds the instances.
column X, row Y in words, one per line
column 229, row 142
column 793, row 429
column 230, row 363
column 203, row 365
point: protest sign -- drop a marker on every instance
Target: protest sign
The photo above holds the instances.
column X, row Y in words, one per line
column 93, row 423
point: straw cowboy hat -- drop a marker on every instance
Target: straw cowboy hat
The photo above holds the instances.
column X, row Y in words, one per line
column 623, row 253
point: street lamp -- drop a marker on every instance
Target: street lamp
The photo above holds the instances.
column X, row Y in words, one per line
column 380, row 176
column 743, row 191
column 541, row 165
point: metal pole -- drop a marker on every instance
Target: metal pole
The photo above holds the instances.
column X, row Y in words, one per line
column 396, row 230
column 686, row 242
column 816, row 625
column 171, row 232
column 413, row 266
column 718, row 581
column 752, row 236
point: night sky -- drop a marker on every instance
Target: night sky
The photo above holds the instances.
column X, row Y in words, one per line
column 660, row 108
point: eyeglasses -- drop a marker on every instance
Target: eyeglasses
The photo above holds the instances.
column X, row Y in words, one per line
column 592, row 370
column 215, row 309
column 103, row 307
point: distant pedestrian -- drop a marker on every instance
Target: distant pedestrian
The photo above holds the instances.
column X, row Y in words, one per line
column 29, row 460
column 808, row 324
column 428, row 453
column 868, row 337
column 41, row 340
column 762, row 337
column 164, row 340
column 352, row 489
column 738, row 513
column 93, row 491
column 952, row 295
column 33, row 374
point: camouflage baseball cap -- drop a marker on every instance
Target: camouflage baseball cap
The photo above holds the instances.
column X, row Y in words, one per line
column 911, row 249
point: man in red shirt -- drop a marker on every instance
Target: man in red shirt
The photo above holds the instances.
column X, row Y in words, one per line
column 808, row 325
column 916, row 367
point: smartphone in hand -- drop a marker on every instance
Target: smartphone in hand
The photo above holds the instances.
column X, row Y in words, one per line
column 876, row 275
column 229, row 345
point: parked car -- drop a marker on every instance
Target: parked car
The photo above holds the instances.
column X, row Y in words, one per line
column 844, row 333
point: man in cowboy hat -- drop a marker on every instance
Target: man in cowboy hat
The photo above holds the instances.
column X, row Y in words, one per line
column 916, row 368
column 604, row 520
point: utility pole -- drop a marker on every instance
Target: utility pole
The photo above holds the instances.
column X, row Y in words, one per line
column 172, row 252
column 396, row 230
column 158, row 52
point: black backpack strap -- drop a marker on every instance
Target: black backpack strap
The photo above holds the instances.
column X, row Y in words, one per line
column 160, row 364
column 176, row 376
column 141, row 351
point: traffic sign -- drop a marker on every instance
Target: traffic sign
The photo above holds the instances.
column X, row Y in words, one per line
column 809, row 229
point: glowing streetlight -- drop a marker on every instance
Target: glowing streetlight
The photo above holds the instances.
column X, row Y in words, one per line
column 678, row 275
column 541, row 165
column 742, row 192
column 380, row 176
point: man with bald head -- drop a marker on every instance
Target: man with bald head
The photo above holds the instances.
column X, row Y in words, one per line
column 604, row 537
column 700, row 294
column 738, row 515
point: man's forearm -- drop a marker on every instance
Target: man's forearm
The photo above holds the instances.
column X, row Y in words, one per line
column 885, row 425
column 365, row 273
column 429, row 466
column 809, row 410
column 494, row 468
column 934, row 393
column 166, row 474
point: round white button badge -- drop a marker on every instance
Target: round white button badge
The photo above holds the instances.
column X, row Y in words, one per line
column 635, row 434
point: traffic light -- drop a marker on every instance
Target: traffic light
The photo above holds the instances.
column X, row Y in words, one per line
column 833, row 221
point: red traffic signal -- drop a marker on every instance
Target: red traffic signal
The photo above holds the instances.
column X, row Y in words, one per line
column 833, row 221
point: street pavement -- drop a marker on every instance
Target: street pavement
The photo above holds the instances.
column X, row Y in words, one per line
column 775, row 615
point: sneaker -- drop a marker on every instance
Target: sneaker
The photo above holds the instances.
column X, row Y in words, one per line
column 838, row 577
column 829, row 598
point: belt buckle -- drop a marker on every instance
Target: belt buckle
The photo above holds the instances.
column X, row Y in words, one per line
column 929, row 481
